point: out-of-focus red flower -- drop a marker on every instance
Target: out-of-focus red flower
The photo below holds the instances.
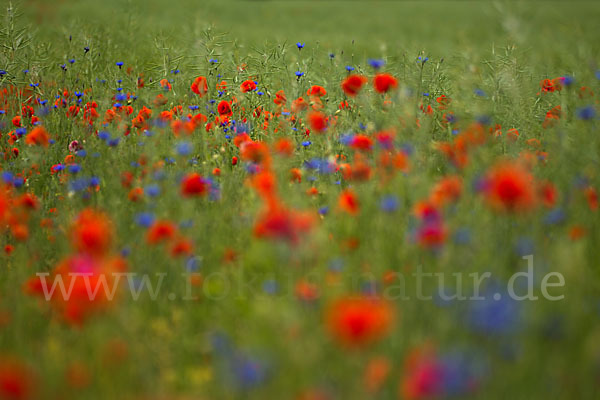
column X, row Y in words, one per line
column 510, row 187
column 348, row 202
column 318, row 121
column 92, row 233
column 194, row 185
column 357, row 321
column 383, row 83
column 199, row 86
column 353, row 84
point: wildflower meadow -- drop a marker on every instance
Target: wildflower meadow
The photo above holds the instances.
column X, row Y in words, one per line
column 306, row 200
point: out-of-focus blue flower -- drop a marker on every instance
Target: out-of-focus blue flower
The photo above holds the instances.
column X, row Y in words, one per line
column 193, row 263
column 389, row 204
column 497, row 314
column 479, row 92
column 145, row 219
column 7, row 177
column 18, row 182
column 74, row 168
column 484, row 119
column 103, row 135
column 323, row 166
column 555, row 216
column 270, row 286
column 375, row 63
column 77, row 185
column 524, row 246
column 586, row 113
column 152, row 190
column 349, row 68
column 462, row 236
column 184, row 148
column 567, row 80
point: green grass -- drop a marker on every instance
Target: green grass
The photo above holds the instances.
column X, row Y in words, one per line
column 503, row 48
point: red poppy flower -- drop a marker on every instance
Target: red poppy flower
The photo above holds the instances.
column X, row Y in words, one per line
column 283, row 224
column 160, row 231
column 384, row 82
column 361, row 142
column 280, row 98
column 92, row 233
column 510, row 187
column 194, row 185
column 348, row 202
column 352, row 84
column 318, row 121
column 38, row 137
column 359, row 321
column 200, row 86
column 316, row 90
column 248, row 86
column 224, row 108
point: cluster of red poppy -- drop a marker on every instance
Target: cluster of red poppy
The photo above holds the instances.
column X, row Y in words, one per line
column 83, row 283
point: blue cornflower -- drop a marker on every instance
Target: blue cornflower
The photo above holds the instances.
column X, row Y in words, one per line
column 555, row 216
column 7, row 177
column 114, row 142
column 74, row 168
column 152, row 190
column 376, row 63
column 331, row 55
column 389, row 204
column 299, row 74
column 77, row 185
column 94, row 181
column 479, row 92
column 349, row 68
column 270, row 286
column 175, row 71
column 119, row 64
column 300, row 45
column 524, row 246
column 184, row 148
column 193, row 263
column 3, row 72
column 72, row 61
column 18, row 182
column 20, row 131
column 144, row 219
column 484, row 119
column 462, row 236
column 306, row 143
column 86, row 49
column 586, row 113
column 567, row 80
column 103, row 135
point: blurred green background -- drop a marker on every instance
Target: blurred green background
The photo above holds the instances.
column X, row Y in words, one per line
column 371, row 28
